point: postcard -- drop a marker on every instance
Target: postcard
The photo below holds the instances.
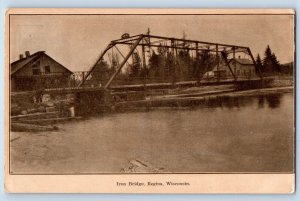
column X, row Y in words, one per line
column 150, row 100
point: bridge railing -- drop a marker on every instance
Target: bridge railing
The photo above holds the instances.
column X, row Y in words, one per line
column 119, row 81
column 61, row 80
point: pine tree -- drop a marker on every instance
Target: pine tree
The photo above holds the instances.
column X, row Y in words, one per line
column 136, row 65
column 270, row 62
column 101, row 71
column 184, row 64
column 259, row 65
column 275, row 63
column 155, row 63
column 170, row 69
column 267, row 61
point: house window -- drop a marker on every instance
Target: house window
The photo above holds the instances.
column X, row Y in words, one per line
column 47, row 70
column 36, row 69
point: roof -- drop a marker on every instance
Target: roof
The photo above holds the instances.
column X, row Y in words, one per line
column 19, row 64
column 243, row 61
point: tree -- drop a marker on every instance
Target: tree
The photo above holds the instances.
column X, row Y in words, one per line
column 169, row 68
column 101, row 72
column 136, row 65
column 114, row 62
column 259, row 64
column 204, row 62
column 267, row 61
column 156, row 63
column 185, row 64
column 275, row 63
column 162, row 50
column 270, row 62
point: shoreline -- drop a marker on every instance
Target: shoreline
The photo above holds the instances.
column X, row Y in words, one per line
column 198, row 97
column 176, row 101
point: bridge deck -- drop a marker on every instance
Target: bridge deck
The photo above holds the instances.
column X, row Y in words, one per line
column 180, row 84
column 140, row 87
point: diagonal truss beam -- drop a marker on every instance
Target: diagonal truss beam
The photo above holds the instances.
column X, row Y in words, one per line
column 254, row 62
column 94, row 66
column 228, row 65
column 123, row 62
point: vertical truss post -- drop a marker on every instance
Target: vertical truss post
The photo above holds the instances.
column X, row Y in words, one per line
column 234, row 60
column 228, row 65
column 94, row 66
column 197, row 64
column 177, row 68
column 254, row 62
column 82, row 74
column 173, row 72
column 218, row 62
column 124, row 61
column 144, row 64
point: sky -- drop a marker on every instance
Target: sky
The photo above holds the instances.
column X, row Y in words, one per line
column 76, row 41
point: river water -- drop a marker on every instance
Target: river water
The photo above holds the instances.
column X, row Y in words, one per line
column 240, row 134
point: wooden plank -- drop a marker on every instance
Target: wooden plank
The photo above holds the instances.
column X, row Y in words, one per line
column 40, row 114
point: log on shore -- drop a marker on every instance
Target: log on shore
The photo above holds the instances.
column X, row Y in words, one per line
column 35, row 115
column 23, row 127
column 48, row 120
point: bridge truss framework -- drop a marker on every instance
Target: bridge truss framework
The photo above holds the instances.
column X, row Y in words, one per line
column 174, row 44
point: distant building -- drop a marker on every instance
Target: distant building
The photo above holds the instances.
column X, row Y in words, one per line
column 37, row 71
column 242, row 68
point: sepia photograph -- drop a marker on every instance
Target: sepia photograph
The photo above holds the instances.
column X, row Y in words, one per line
column 151, row 93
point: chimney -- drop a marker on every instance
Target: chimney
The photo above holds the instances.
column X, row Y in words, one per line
column 21, row 56
column 27, row 53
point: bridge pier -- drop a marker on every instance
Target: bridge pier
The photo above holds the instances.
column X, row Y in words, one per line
column 93, row 102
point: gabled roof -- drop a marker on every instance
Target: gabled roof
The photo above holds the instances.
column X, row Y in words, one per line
column 243, row 61
column 19, row 64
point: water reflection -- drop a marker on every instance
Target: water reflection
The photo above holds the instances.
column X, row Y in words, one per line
column 261, row 101
column 271, row 101
column 274, row 100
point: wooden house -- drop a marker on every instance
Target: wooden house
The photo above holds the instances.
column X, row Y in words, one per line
column 242, row 68
column 37, row 71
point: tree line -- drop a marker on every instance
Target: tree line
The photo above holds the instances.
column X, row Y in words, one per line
column 177, row 65
column 163, row 63
column 270, row 65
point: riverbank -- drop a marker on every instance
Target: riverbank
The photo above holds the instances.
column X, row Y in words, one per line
column 197, row 99
column 239, row 133
column 26, row 108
